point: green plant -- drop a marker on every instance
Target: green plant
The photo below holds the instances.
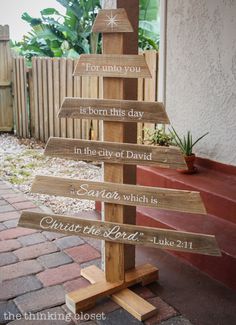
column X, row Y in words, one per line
column 58, row 35
column 158, row 136
column 185, row 144
column 149, row 30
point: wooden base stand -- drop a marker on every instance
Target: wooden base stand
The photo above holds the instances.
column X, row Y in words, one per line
column 85, row 298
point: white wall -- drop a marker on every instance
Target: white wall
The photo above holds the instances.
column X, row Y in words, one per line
column 201, row 74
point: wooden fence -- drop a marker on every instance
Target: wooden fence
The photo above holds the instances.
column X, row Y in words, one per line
column 40, row 91
column 6, row 108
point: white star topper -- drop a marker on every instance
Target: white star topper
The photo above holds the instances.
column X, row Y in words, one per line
column 112, row 21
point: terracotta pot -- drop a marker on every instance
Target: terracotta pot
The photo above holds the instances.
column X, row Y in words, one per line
column 190, row 164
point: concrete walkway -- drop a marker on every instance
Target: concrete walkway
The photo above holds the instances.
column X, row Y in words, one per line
column 38, row 268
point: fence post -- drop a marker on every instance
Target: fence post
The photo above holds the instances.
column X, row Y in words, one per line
column 6, row 100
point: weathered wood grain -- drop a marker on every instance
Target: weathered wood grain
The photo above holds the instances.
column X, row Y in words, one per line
column 114, row 152
column 112, row 21
column 112, row 65
column 122, row 233
column 6, row 100
column 81, row 299
column 134, row 195
column 126, row 298
column 114, row 110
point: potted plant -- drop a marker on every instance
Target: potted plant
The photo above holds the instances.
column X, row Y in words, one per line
column 158, row 136
column 186, row 145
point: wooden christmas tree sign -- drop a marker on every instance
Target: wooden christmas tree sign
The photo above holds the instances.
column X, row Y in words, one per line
column 116, row 153
column 122, row 233
column 121, row 112
column 114, row 110
column 155, row 197
column 112, row 65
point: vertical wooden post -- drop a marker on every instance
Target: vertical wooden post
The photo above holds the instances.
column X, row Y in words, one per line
column 119, row 257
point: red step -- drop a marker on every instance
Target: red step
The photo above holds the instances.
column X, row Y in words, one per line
column 218, row 189
column 222, row 268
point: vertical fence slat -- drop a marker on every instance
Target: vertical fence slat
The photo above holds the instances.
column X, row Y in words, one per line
column 100, row 95
column 62, row 93
column 77, row 93
column 19, row 101
column 40, row 99
column 56, row 94
column 69, row 93
column 140, row 126
column 94, row 94
column 85, row 94
column 22, row 83
column 15, row 94
column 89, row 90
column 45, row 99
column 50, row 97
column 36, row 102
column 31, row 103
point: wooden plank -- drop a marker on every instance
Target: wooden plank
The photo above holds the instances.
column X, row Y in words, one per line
column 50, row 97
column 126, row 298
column 36, row 95
column 112, row 21
column 23, row 98
column 24, row 86
column 143, row 272
column 19, row 101
column 31, row 102
column 122, row 233
column 79, row 299
column 62, row 93
column 56, row 95
column 85, row 92
column 45, row 99
column 134, row 304
column 77, row 93
column 94, row 86
column 114, row 253
column 69, row 92
column 114, row 152
column 40, row 99
column 100, row 95
column 156, row 197
column 140, row 126
column 114, row 110
column 15, row 97
column 112, row 65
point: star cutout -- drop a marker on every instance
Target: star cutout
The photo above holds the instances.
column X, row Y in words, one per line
column 112, row 20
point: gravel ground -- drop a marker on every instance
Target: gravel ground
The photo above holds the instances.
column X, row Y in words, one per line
column 21, row 160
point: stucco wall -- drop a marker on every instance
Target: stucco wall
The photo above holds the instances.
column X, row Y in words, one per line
column 201, row 74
